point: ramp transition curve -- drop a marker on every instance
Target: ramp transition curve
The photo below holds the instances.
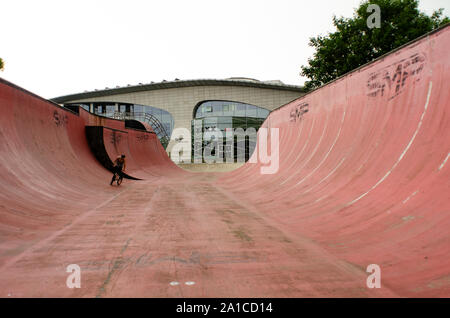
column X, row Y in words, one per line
column 363, row 179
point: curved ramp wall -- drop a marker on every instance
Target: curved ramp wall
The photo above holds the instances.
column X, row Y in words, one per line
column 364, row 167
column 49, row 174
column 363, row 172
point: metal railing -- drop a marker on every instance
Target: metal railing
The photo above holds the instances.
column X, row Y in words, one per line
column 156, row 125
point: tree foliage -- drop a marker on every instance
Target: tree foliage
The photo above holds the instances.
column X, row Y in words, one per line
column 1, row 64
column 354, row 43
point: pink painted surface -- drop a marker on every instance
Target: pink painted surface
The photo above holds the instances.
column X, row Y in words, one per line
column 363, row 179
column 365, row 172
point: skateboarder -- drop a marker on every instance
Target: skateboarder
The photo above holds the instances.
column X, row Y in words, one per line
column 119, row 166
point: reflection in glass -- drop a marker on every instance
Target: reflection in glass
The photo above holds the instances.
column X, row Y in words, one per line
column 110, row 109
column 262, row 113
column 133, row 111
column 228, row 108
column 138, row 108
column 228, row 117
column 98, row 109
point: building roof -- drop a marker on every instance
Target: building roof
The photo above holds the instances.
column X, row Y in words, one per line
column 234, row 81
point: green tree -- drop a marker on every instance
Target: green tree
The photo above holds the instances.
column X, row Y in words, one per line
column 354, row 43
column 1, row 64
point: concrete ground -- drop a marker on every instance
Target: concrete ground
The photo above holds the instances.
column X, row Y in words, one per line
column 179, row 239
column 205, row 167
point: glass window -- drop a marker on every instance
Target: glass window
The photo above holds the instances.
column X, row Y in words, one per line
column 226, row 116
column 166, row 121
column 199, row 113
column 263, row 113
column 98, row 109
column 254, row 121
column 217, row 108
column 157, row 113
column 239, row 122
column 251, row 111
column 228, row 108
column 149, row 110
column 240, row 110
column 138, row 109
column 225, row 120
column 132, row 111
column 222, row 126
column 110, row 109
column 210, row 120
column 207, row 107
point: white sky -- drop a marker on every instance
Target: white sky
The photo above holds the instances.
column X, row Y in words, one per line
column 54, row 48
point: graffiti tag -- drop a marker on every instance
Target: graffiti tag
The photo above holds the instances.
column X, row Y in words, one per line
column 298, row 111
column 115, row 138
column 142, row 138
column 61, row 120
column 391, row 80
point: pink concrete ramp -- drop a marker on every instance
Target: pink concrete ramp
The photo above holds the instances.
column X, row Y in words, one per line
column 363, row 178
column 364, row 168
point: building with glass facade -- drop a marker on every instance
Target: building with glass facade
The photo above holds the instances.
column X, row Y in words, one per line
column 226, row 117
column 142, row 113
column 197, row 106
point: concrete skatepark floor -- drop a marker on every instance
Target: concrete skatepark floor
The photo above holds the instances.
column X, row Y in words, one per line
column 362, row 178
column 179, row 232
column 206, row 167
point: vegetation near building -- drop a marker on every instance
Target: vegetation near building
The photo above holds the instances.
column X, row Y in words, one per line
column 357, row 41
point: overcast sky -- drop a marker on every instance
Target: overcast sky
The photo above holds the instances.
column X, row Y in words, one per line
column 55, row 48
